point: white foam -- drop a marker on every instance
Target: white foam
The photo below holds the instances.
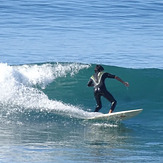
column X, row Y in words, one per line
column 44, row 74
column 105, row 125
column 16, row 85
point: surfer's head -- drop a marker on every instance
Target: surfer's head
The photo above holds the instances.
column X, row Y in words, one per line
column 99, row 68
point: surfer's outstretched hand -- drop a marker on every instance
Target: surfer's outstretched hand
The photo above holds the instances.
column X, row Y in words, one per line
column 126, row 84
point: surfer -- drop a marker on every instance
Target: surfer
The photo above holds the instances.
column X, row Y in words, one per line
column 98, row 82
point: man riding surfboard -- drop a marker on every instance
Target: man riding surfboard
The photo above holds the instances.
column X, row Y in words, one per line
column 98, row 82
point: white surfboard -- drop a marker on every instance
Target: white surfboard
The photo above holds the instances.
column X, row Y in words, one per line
column 116, row 116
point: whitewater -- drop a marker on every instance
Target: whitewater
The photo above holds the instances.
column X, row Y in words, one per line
column 20, row 88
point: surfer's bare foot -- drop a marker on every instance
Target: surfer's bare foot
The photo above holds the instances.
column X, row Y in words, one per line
column 110, row 111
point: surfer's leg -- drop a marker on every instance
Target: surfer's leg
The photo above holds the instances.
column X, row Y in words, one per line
column 98, row 102
column 110, row 98
column 113, row 105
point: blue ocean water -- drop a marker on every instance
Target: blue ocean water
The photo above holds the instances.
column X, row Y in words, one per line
column 48, row 51
column 113, row 33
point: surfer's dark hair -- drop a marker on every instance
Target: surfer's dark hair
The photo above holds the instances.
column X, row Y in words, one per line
column 99, row 68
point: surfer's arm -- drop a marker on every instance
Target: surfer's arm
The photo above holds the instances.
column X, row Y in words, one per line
column 90, row 83
column 119, row 79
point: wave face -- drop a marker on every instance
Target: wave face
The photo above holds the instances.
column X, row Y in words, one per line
column 59, row 90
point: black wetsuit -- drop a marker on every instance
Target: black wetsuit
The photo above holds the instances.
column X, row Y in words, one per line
column 98, row 82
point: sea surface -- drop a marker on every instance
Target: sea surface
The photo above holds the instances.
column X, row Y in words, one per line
column 48, row 51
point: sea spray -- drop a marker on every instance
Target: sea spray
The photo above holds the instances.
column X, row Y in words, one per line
column 18, row 85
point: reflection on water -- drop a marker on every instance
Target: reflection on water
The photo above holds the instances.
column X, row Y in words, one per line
column 106, row 134
column 104, row 140
column 71, row 140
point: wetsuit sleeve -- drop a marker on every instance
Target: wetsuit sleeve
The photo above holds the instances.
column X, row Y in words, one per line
column 110, row 75
column 90, row 83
